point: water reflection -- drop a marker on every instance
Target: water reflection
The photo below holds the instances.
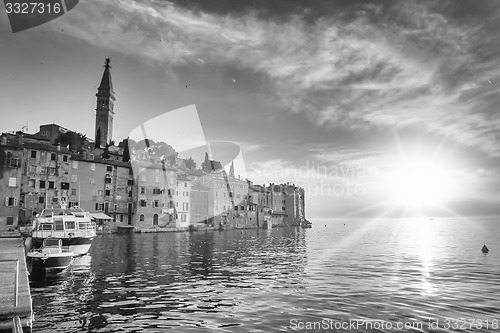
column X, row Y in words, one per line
column 247, row 280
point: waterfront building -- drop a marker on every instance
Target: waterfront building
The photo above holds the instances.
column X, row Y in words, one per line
column 224, row 193
column 11, row 154
column 294, row 204
column 183, row 201
column 105, row 188
column 199, row 203
column 45, row 178
column 155, row 199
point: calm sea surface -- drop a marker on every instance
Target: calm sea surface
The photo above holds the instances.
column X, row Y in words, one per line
column 376, row 274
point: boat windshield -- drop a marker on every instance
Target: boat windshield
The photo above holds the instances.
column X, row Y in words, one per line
column 45, row 226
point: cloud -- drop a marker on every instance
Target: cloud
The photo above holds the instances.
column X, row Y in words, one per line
column 402, row 65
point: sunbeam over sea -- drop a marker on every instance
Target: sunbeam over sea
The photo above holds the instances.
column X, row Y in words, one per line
column 427, row 274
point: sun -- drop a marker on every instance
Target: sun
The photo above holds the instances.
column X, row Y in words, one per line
column 419, row 184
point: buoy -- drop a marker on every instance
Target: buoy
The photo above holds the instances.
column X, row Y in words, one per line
column 485, row 249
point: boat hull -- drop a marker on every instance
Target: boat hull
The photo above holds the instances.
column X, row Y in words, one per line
column 50, row 262
column 78, row 245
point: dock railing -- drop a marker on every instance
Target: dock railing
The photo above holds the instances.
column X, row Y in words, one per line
column 16, row 321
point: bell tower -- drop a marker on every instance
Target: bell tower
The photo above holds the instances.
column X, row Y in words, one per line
column 104, row 111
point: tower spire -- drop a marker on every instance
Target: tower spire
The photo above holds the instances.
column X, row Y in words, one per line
column 104, row 111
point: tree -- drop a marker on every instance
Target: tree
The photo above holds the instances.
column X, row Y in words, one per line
column 190, row 163
column 105, row 155
column 98, row 138
column 126, row 152
column 205, row 166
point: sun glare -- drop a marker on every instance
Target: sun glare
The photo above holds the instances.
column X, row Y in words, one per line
column 419, row 184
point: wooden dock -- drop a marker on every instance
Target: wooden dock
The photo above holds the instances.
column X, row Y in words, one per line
column 16, row 313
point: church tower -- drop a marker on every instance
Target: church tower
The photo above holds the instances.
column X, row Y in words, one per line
column 104, row 111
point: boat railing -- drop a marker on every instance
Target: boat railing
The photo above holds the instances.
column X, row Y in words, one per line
column 64, row 233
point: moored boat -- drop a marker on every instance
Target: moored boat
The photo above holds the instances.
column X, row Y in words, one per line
column 73, row 226
column 50, row 256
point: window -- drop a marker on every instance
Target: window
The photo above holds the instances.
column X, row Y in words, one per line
column 235, row 207
column 107, row 193
column 109, row 168
column 65, row 158
column 130, row 182
column 156, row 203
column 73, row 191
column 216, row 194
column 51, row 185
column 224, row 207
column 155, row 219
column 74, row 178
column 52, row 171
column 100, row 193
column 130, row 194
column 99, row 206
column 12, row 181
column 43, row 170
column 10, row 201
column 75, row 164
column 14, row 162
column 31, row 183
column 143, row 190
column 121, row 218
column 64, row 186
column 115, row 207
column 92, row 166
column 156, row 191
column 10, row 220
column 141, row 217
column 70, row 224
column 52, row 156
column 41, row 200
column 183, row 217
column 142, row 203
column 91, row 180
column 185, row 184
column 176, row 204
column 107, row 180
column 33, row 154
column 73, row 204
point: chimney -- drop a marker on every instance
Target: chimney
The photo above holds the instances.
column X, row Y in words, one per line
column 19, row 138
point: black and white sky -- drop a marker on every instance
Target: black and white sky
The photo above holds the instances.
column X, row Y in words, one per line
column 331, row 95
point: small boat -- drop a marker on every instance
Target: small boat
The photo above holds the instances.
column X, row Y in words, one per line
column 50, row 256
column 73, row 226
column 485, row 249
